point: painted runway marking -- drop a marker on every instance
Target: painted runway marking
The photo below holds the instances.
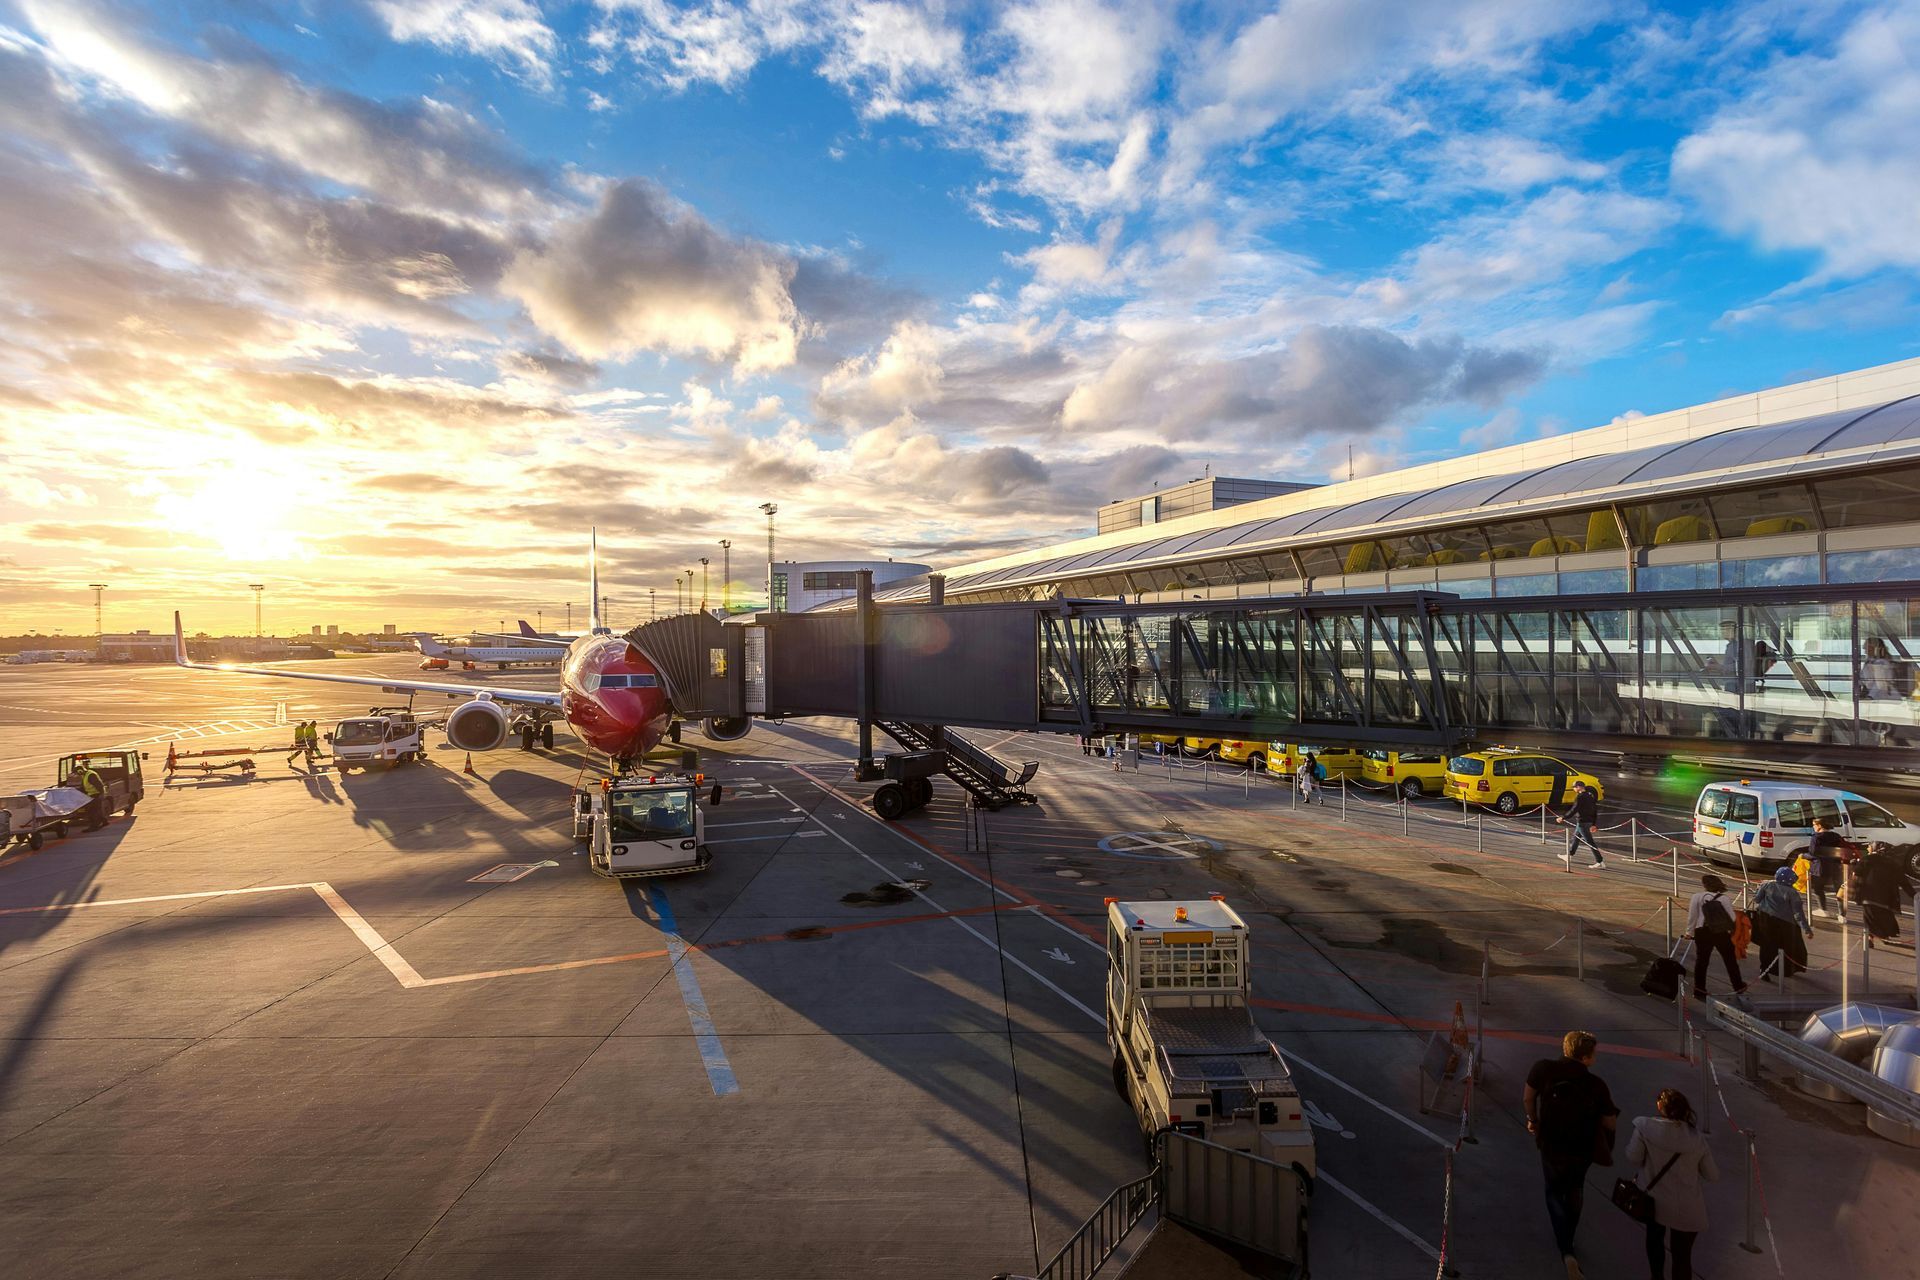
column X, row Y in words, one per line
column 756, row 822
column 712, row 1055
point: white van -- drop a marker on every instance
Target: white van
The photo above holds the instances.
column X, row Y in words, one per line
column 1758, row 826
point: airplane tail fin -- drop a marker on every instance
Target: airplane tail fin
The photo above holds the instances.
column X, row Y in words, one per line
column 179, row 642
column 594, row 625
column 526, row 629
column 427, row 645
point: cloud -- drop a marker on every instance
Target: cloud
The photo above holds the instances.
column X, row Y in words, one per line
column 512, row 32
column 417, row 482
column 549, row 367
column 1822, row 153
column 644, row 272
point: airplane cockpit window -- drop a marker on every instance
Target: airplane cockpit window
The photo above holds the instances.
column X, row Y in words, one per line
column 653, row 815
column 359, row 733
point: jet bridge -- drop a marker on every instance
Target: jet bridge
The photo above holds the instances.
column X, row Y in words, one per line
column 1815, row 674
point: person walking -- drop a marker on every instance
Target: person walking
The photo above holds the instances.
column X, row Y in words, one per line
column 1582, row 823
column 1829, row 852
column 1710, row 925
column 299, row 742
column 1879, row 879
column 1670, row 1161
column 1780, row 926
column 1571, row 1115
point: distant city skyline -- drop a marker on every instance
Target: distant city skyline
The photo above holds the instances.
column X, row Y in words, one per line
column 383, row 304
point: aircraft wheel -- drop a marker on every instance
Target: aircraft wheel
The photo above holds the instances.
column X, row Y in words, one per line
column 1412, row 789
column 890, row 801
column 526, row 739
column 920, row 791
column 546, row 735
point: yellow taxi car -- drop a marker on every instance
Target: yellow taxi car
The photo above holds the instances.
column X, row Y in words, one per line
column 1199, row 746
column 1261, row 757
column 1510, row 779
column 1413, row 774
column 1339, row 762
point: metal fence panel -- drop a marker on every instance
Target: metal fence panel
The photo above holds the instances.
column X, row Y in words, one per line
column 1234, row 1195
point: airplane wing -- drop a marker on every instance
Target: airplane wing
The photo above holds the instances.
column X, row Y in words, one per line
column 509, row 697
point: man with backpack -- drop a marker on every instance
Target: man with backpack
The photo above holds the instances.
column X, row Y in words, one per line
column 1571, row 1115
column 1710, row 924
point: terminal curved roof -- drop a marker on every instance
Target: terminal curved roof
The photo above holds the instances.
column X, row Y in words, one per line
column 1825, row 441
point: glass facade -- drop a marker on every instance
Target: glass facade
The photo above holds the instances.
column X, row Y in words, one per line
column 1776, row 669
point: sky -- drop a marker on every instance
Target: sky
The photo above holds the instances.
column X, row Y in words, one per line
column 383, row 303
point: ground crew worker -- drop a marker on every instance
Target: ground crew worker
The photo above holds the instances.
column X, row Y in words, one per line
column 312, row 740
column 299, row 741
column 88, row 781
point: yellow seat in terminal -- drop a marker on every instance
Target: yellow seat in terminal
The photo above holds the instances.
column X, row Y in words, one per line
column 1499, row 553
column 1554, row 547
column 1778, row 524
column 1603, row 534
column 1445, row 556
column 1682, row 529
column 1364, row 557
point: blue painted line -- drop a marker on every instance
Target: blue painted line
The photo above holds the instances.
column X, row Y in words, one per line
column 712, row 1055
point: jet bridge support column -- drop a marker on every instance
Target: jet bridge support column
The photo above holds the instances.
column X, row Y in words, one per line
column 868, row 626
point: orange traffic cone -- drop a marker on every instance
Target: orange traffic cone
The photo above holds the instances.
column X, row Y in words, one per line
column 469, row 768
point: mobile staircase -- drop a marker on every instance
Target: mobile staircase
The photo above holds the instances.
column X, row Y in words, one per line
column 991, row 781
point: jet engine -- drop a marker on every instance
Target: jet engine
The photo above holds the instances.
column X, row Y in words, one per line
column 726, row 728
column 480, row 725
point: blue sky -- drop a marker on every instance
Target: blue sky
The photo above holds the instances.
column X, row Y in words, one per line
column 937, row 278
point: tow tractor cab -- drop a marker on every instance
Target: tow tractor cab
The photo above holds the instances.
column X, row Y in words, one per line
column 644, row 825
column 384, row 736
column 1186, row 1051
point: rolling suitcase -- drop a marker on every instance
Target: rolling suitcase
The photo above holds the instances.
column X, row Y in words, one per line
column 1664, row 976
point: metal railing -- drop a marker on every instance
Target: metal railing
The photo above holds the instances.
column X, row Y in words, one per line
column 1235, row 1195
column 1818, row 1064
column 1100, row 1235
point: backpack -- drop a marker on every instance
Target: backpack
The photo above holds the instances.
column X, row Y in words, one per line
column 1567, row 1116
column 1319, row 772
column 1714, row 916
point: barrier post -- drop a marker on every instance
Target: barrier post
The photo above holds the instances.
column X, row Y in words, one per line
column 1479, row 1042
column 1753, row 1176
column 1669, row 926
column 1674, row 850
column 1580, row 949
column 1486, row 970
column 1343, row 797
column 1633, row 839
column 1543, row 822
column 1478, row 847
column 1403, row 814
column 1706, row 1089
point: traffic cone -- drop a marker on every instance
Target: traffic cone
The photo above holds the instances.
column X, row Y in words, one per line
column 469, row 768
column 1457, row 1041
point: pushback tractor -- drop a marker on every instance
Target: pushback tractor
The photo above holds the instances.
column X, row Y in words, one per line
column 1187, row 1054
column 638, row 826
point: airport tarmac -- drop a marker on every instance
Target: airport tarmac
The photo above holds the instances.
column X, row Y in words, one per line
column 277, row 1027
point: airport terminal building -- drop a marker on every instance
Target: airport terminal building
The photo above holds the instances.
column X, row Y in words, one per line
column 1818, row 482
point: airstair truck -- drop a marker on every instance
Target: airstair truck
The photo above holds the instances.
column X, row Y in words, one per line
column 1187, row 1054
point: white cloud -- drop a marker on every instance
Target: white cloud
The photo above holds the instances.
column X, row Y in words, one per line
column 904, row 372
column 1823, row 154
column 510, row 31
column 644, row 272
column 1512, row 164
column 765, row 409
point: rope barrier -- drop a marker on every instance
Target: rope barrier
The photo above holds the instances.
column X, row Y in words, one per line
column 1747, row 1135
column 1471, row 1070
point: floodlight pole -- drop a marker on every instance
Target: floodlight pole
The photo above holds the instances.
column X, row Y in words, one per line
column 99, row 630
column 726, row 576
column 771, row 511
column 703, row 583
column 257, row 588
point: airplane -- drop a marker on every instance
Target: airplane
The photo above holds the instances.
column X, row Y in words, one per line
column 439, row 656
column 610, row 695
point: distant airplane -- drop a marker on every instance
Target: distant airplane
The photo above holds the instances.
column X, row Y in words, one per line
column 440, row 656
column 610, row 694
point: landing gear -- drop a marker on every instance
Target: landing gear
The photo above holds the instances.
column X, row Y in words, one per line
column 526, row 738
column 546, row 735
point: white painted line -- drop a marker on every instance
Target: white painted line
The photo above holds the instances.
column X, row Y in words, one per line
column 382, row 949
column 1321, row 1175
column 158, row 897
column 1294, row 1059
column 757, row 822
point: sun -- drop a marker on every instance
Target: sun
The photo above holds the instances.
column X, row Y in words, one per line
column 251, row 513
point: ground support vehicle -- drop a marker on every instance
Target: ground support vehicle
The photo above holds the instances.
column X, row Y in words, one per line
column 384, row 736
column 1511, row 780
column 909, row 782
column 638, row 826
column 29, row 817
column 1187, row 1054
column 1761, row 826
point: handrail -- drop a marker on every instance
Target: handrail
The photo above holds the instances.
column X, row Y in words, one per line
column 1100, row 1235
column 1818, row 1063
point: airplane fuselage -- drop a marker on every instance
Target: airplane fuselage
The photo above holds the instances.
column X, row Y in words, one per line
column 613, row 697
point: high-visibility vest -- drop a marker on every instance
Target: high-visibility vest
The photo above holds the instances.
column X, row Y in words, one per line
column 91, row 784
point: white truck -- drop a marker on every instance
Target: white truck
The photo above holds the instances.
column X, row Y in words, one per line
column 1187, row 1054
column 384, row 736
column 644, row 826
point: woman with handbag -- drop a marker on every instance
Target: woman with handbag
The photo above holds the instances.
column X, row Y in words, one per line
column 1671, row 1162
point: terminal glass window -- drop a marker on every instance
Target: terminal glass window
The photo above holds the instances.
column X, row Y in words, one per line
column 1664, row 524
column 1890, row 497
column 1759, row 513
column 1320, row 562
column 779, row 601
column 1896, row 564
column 650, row 815
column 836, row 580
column 1771, row 571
